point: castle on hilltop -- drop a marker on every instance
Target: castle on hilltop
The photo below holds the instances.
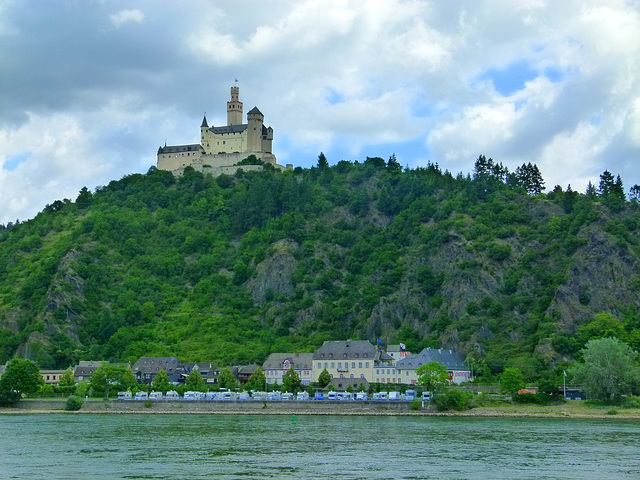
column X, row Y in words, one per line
column 221, row 149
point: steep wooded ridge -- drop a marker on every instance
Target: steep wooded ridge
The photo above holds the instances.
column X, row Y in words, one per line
column 232, row 268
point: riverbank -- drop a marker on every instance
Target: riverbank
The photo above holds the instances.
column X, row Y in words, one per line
column 573, row 409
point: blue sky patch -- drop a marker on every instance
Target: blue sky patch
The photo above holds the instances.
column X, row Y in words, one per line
column 334, row 97
column 12, row 161
column 510, row 79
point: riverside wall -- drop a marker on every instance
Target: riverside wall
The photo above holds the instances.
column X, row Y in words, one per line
column 244, row 407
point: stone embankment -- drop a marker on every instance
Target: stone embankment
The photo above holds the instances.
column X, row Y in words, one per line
column 230, row 408
column 568, row 410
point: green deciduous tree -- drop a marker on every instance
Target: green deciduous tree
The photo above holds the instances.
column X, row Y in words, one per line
column 67, row 379
column 21, row 377
column 511, row 380
column 67, row 384
column 433, row 376
column 226, row 379
column 112, row 377
column 324, row 378
column 195, row 381
column 609, row 369
column 257, row 381
column 291, row 381
column 161, row 382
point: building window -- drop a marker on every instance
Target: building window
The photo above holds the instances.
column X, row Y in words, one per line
column 325, row 364
column 333, row 365
column 339, row 365
column 359, row 364
column 353, row 364
column 362, row 375
column 366, row 365
column 341, row 376
column 352, row 375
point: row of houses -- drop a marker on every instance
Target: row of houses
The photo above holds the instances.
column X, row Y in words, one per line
column 356, row 362
column 349, row 363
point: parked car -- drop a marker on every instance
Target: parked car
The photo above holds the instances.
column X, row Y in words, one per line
column 362, row 396
column 124, row 395
column 394, row 396
column 301, row 396
column 155, row 396
column 345, row 396
column 318, row 396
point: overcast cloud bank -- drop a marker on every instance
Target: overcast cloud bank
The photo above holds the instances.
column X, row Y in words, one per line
column 89, row 90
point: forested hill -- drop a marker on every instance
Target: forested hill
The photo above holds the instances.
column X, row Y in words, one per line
column 231, row 268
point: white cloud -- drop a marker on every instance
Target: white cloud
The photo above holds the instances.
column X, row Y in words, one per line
column 347, row 77
column 126, row 16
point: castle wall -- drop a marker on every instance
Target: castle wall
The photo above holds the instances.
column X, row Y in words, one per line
column 175, row 160
column 224, row 143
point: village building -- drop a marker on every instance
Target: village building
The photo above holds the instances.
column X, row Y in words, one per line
column 453, row 362
column 398, row 351
column 146, row 368
column 225, row 149
column 52, row 377
column 351, row 359
column 277, row 364
column 85, row 368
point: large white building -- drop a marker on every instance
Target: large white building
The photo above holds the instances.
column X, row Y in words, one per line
column 453, row 362
column 277, row 364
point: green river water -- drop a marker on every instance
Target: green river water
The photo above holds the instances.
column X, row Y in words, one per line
column 336, row 447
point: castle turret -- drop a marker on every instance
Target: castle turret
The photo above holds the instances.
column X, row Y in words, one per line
column 203, row 134
column 255, row 118
column 234, row 108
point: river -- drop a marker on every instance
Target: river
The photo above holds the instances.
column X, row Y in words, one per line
column 182, row 446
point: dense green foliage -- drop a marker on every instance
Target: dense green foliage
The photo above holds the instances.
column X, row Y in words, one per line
column 432, row 376
column 454, row 400
column 609, row 370
column 73, row 404
column 231, row 269
column 21, row 377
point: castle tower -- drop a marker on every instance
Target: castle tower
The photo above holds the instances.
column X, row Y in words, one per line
column 255, row 119
column 234, row 108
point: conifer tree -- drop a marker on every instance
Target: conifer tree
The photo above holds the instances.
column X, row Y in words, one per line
column 323, row 163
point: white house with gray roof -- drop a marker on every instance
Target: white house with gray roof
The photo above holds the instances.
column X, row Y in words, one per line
column 350, row 359
column 452, row 361
column 277, row 364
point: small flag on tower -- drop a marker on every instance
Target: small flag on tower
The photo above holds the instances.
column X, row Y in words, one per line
column 379, row 341
column 402, row 346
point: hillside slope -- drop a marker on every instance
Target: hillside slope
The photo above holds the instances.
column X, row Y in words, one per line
column 232, row 268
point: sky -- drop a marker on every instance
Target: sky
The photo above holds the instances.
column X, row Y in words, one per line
column 89, row 89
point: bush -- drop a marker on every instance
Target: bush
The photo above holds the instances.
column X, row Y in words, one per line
column 73, row 404
column 454, row 400
column 416, row 404
column 537, row 398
